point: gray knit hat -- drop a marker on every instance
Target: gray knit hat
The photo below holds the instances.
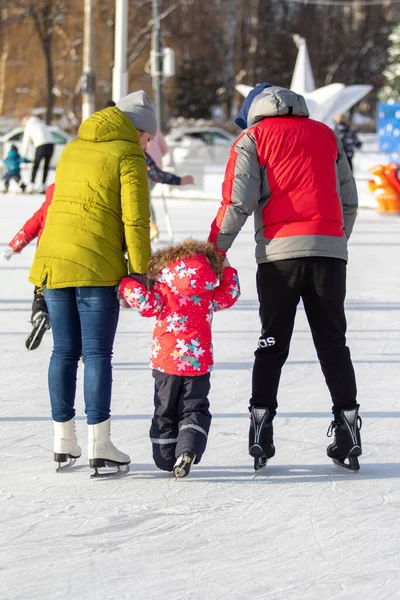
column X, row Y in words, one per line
column 140, row 110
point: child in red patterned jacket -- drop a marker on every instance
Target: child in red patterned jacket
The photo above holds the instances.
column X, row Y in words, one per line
column 190, row 284
column 32, row 229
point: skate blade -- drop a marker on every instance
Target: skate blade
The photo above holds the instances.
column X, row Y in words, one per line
column 107, row 474
column 34, row 339
column 62, row 467
column 183, row 469
column 260, row 462
column 353, row 465
column 64, row 458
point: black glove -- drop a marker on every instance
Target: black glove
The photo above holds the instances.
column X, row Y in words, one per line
column 142, row 279
column 139, row 277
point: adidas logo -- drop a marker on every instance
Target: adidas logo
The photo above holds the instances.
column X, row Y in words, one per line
column 265, row 342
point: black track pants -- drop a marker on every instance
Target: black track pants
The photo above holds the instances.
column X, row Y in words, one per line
column 321, row 283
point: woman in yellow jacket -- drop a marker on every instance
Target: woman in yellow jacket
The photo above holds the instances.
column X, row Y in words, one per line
column 100, row 212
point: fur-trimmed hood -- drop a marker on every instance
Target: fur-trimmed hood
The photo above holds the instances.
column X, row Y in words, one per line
column 189, row 247
column 188, row 268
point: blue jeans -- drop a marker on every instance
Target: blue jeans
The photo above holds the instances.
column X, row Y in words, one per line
column 83, row 319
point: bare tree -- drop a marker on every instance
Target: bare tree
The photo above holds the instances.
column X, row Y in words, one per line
column 4, row 52
column 46, row 16
column 217, row 43
column 141, row 36
column 230, row 68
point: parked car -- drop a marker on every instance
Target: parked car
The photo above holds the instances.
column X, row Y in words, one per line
column 15, row 137
column 212, row 136
column 194, row 149
column 200, row 151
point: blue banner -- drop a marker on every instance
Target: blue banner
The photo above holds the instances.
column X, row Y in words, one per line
column 389, row 128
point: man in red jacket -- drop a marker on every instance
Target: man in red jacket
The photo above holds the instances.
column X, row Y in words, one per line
column 32, row 229
column 292, row 173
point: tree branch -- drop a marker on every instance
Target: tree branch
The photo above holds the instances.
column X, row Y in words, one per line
column 133, row 52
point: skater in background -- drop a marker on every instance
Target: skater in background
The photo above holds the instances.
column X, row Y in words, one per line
column 157, row 175
column 348, row 137
column 100, row 211
column 190, row 284
column 33, row 229
column 13, row 163
column 38, row 135
column 293, row 174
column 158, row 148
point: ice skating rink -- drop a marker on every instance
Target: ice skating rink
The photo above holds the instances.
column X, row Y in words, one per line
column 299, row 530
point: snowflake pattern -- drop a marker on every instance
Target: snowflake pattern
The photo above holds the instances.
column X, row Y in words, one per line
column 182, row 342
column 155, row 348
column 19, row 241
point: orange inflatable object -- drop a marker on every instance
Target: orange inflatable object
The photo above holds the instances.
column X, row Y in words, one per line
column 386, row 184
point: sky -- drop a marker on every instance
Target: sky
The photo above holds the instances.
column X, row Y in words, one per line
column 301, row 529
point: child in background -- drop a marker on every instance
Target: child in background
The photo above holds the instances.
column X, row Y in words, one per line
column 12, row 163
column 33, row 228
column 190, row 284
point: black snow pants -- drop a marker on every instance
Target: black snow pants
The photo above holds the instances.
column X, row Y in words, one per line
column 321, row 283
column 182, row 419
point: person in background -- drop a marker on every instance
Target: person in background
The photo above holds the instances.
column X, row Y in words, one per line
column 348, row 137
column 157, row 149
column 100, row 212
column 32, row 229
column 293, row 174
column 12, row 163
column 38, row 135
column 156, row 175
column 155, row 152
column 190, row 284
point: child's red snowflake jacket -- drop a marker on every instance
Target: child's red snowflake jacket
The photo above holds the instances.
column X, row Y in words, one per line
column 183, row 299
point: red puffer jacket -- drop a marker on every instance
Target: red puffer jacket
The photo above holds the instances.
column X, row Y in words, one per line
column 34, row 226
column 184, row 298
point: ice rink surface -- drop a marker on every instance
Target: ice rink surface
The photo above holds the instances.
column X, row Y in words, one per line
column 299, row 530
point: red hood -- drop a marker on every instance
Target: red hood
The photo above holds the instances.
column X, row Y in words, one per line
column 190, row 276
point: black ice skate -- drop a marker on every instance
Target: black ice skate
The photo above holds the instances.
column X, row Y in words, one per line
column 347, row 440
column 183, row 464
column 261, row 443
column 40, row 324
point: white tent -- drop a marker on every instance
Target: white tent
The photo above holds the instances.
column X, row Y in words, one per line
column 323, row 103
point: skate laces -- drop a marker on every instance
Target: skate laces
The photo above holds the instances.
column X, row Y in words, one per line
column 332, row 428
column 335, row 424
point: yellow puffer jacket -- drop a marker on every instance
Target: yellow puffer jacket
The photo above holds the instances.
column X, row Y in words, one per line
column 100, row 208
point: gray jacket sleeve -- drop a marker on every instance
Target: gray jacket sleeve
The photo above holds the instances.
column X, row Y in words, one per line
column 240, row 191
column 347, row 190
